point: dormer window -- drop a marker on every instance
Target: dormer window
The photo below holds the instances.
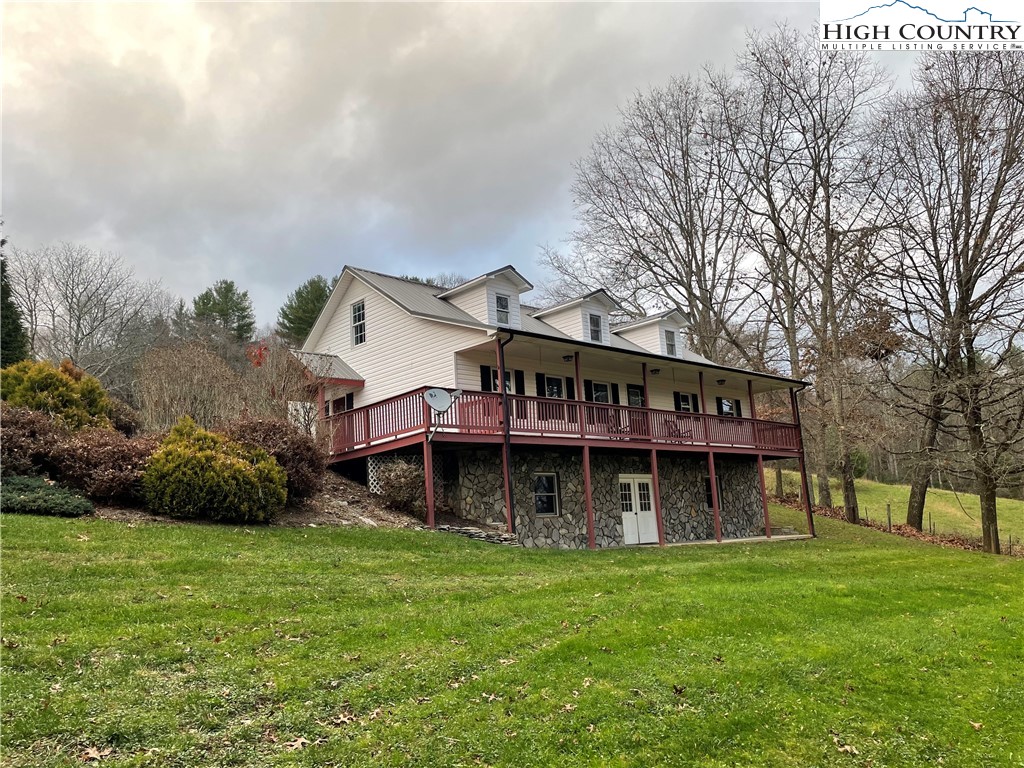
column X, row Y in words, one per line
column 670, row 343
column 502, row 309
column 595, row 328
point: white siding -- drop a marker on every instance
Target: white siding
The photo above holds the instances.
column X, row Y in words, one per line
column 646, row 336
column 569, row 321
column 400, row 353
column 473, row 301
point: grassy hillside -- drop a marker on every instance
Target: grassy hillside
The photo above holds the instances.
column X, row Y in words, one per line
column 951, row 512
column 181, row 645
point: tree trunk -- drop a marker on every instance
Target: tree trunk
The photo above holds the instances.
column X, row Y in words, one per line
column 921, row 476
column 824, row 488
column 779, row 490
column 849, row 489
column 989, row 524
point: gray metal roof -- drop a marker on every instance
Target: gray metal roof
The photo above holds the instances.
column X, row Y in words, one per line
column 326, row 366
column 417, row 298
column 645, row 320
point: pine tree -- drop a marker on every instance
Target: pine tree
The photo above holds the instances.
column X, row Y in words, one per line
column 302, row 307
column 225, row 306
column 14, row 340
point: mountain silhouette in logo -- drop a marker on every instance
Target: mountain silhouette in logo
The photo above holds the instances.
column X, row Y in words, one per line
column 904, row 6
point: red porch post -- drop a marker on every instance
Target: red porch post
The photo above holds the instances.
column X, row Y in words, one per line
column 428, row 476
column 714, row 496
column 805, row 491
column 579, row 394
column 656, row 490
column 750, row 398
column 764, row 497
column 647, row 397
column 506, row 446
column 588, row 499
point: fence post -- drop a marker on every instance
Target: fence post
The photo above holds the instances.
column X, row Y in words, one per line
column 888, row 515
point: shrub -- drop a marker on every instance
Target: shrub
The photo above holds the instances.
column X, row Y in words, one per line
column 197, row 474
column 124, row 418
column 68, row 394
column 297, row 453
column 105, row 465
column 27, row 439
column 36, row 496
column 402, row 486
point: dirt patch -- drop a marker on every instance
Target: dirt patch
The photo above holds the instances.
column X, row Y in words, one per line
column 342, row 502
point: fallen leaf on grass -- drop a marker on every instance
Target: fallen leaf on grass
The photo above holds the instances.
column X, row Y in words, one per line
column 569, row 708
column 842, row 747
column 299, row 743
column 506, row 662
column 92, row 753
column 343, row 718
column 22, row 599
column 83, row 537
column 976, row 726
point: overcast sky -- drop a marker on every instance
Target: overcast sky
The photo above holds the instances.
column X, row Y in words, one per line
column 266, row 143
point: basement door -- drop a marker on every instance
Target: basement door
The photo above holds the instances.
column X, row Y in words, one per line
column 636, row 497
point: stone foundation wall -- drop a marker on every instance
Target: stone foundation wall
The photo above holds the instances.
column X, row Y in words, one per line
column 480, row 495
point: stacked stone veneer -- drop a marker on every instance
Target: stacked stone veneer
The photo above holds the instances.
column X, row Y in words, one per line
column 480, row 495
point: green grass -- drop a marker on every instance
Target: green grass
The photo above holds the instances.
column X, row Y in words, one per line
column 951, row 512
column 188, row 645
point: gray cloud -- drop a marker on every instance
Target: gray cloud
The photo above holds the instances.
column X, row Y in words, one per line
column 269, row 142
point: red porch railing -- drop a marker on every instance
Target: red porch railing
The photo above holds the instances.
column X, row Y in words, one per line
column 480, row 413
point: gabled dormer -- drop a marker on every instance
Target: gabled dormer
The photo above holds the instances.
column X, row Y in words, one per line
column 492, row 298
column 586, row 318
column 661, row 334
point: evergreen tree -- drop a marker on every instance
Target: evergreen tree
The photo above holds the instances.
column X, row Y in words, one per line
column 225, row 306
column 296, row 317
column 14, row 341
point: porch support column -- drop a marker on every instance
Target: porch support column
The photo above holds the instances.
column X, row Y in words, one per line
column 428, row 476
column 750, row 398
column 506, row 445
column 321, row 416
column 588, row 499
column 764, row 497
column 579, row 394
column 647, row 397
column 700, row 383
column 656, row 490
column 714, row 496
column 805, row 491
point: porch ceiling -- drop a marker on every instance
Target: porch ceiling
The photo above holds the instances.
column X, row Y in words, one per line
column 544, row 350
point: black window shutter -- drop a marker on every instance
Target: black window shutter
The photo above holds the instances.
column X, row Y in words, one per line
column 588, row 390
column 570, row 388
column 678, row 398
column 485, row 378
column 695, row 403
column 615, row 394
column 349, row 400
column 520, row 382
column 739, row 409
column 718, row 406
column 542, row 389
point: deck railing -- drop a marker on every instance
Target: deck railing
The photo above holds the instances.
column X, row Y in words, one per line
column 480, row 413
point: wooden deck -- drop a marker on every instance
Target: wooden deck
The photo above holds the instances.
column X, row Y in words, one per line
column 478, row 417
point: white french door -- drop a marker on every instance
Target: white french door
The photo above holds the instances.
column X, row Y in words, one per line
column 639, row 520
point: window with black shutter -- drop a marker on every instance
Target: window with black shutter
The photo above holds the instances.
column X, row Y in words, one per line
column 687, row 402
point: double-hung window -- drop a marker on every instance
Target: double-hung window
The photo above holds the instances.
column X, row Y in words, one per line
column 545, row 494
column 358, row 323
column 670, row 343
column 595, row 328
column 502, row 309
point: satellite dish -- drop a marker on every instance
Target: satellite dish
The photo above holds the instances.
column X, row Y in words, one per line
column 438, row 399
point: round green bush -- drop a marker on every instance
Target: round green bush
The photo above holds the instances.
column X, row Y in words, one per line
column 199, row 475
column 68, row 394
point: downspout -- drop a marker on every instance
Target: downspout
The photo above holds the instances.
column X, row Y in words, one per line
column 507, row 452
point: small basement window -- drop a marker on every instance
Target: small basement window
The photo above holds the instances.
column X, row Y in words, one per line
column 502, row 313
column 545, row 494
column 358, row 323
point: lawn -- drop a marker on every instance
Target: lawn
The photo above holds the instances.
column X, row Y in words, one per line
column 951, row 512
column 189, row 645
